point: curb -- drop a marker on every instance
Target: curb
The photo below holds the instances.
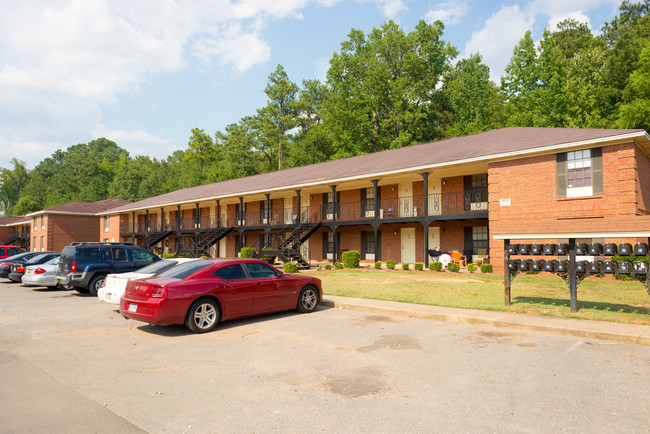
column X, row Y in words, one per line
column 597, row 330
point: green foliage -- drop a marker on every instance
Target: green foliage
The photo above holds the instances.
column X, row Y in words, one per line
column 632, row 259
column 419, row 266
column 167, row 255
column 328, row 266
column 290, row 267
column 390, row 264
column 405, row 266
column 453, row 267
column 351, row 259
column 338, row 265
column 320, row 267
column 486, row 268
column 471, row 267
column 435, row 266
column 268, row 258
column 247, row 252
column 378, row 265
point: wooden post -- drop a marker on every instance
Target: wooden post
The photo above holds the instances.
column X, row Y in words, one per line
column 506, row 280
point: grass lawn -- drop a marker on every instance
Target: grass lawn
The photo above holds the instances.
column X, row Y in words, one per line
column 603, row 299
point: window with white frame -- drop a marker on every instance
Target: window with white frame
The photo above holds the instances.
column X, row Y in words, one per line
column 579, row 173
column 107, row 222
column 35, row 225
column 43, row 221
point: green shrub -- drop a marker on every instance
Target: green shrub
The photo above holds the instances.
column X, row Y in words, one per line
column 290, row 267
column 486, row 268
column 351, row 259
column 320, row 267
column 328, row 266
column 471, row 268
column 247, row 252
column 184, row 255
column 419, row 266
column 632, row 259
column 435, row 266
column 167, row 255
column 204, row 257
column 338, row 265
column 390, row 264
column 453, row 267
column 378, row 265
column 268, row 258
column 405, row 266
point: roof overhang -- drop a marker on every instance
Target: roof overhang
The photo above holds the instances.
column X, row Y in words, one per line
column 558, row 235
column 641, row 138
column 43, row 212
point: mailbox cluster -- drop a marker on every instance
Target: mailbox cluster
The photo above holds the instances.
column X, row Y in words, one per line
column 592, row 267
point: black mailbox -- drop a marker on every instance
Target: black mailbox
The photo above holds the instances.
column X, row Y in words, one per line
column 549, row 249
column 641, row 249
column 513, row 264
column 513, row 249
column 562, row 249
column 624, row 267
column 538, row 265
column 641, row 267
column 536, row 249
column 550, row 266
column 595, row 249
column 596, row 267
column 610, row 267
column 525, row 264
column 609, row 249
column 582, row 249
column 524, row 249
column 582, row 266
column 562, row 267
column 625, row 249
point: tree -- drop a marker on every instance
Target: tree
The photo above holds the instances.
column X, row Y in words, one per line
column 384, row 88
column 278, row 116
column 200, row 148
column 520, row 83
column 12, row 182
column 474, row 99
column 236, row 148
column 636, row 112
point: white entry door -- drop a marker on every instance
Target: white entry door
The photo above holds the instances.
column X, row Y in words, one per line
column 408, row 245
column 405, row 199
column 435, row 196
column 434, row 238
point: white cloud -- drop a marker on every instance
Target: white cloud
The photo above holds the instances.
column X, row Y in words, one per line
column 577, row 15
column 391, row 8
column 231, row 46
column 498, row 37
column 449, row 12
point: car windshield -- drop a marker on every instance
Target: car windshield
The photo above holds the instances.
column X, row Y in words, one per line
column 53, row 261
column 35, row 260
column 67, row 254
column 17, row 257
column 181, row 271
column 157, row 267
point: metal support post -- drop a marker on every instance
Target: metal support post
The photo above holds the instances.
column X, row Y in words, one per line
column 506, row 276
column 573, row 284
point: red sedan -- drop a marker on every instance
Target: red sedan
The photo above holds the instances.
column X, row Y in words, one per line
column 201, row 293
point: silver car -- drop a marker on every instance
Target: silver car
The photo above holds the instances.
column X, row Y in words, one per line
column 43, row 275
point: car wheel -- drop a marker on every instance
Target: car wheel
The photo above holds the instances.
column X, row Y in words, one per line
column 66, row 287
column 203, row 316
column 308, row 299
column 81, row 289
column 96, row 284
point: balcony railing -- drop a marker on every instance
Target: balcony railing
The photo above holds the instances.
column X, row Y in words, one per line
column 440, row 204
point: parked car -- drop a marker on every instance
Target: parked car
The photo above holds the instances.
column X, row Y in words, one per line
column 114, row 284
column 43, row 275
column 18, row 267
column 201, row 293
column 85, row 265
column 6, row 251
column 5, row 264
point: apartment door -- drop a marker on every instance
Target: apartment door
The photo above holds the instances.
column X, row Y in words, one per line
column 405, row 199
column 408, row 245
column 435, row 196
column 434, row 238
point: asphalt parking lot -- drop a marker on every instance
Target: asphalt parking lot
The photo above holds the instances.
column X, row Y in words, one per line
column 72, row 363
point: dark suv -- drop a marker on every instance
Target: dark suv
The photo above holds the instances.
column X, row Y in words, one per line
column 85, row 265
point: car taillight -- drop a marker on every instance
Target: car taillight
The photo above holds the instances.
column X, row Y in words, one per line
column 157, row 292
column 73, row 267
column 20, row 269
column 39, row 270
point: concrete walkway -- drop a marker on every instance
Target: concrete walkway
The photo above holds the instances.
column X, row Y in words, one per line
column 601, row 330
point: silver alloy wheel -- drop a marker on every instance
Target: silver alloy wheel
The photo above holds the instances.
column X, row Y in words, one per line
column 308, row 300
column 205, row 315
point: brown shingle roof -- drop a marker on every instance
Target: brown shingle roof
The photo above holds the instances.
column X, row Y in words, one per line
column 480, row 146
column 12, row 220
column 84, row 207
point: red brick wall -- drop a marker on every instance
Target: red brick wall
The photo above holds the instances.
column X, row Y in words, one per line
column 643, row 183
column 116, row 224
column 61, row 230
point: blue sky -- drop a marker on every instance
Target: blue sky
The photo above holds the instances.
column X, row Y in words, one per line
column 144, row 73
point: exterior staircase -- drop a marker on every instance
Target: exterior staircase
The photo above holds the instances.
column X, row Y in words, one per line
column 154, row 238
column 289, row 249
column 212, row 237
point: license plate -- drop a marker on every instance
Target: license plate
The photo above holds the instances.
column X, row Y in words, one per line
column 133, row 307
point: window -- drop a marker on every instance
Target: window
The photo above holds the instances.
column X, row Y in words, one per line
column 230, row 272
column 117, row 254
column 580, row 173
column 43, row 221
column 107, row 220
column 34, row 244
column 181, row 271
column 142, row 255
column 369, row 242
column 258, row 271
column 42, row 242
column 475, row 194
column 35, row 228
column 90, row 254
column 480, row 240
column 14, row 250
